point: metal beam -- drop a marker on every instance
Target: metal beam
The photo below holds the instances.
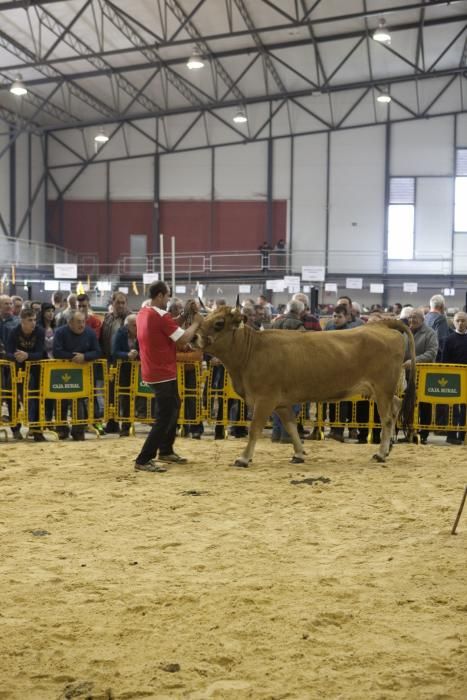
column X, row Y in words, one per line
column 257, row 99
column 286, row 44
column 277, row 137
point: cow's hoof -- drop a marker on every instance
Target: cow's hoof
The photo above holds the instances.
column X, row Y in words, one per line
column 378, row 458
column 240, row 463
column 297, row 460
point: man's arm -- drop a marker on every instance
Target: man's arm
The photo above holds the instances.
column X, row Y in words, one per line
column 190, row 332
column 94, row 352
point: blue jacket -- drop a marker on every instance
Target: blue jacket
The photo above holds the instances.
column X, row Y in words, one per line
column 67, row 343
column 32, row 344
column 120, row 346
column 6, row 324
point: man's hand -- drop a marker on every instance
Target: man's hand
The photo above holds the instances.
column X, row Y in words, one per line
column 78, row 357
column 21, row 356
column 133, row 354
column 407, row 364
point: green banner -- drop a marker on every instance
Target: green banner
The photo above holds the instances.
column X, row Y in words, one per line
column 143, row 388
column 68, row 381
column 443, row 385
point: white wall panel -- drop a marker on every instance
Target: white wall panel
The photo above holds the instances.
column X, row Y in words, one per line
column 4, row 185
column 241, row 171
column 356, row 217
column 462, row 130
column 186, row 175
column 433, row 217
column 309, row 197
column 423, row 147
column 132, row 179
column 91, row 184
column 460, row 254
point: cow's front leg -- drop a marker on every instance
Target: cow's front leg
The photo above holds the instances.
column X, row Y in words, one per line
column 289, row 422
column 261, row 412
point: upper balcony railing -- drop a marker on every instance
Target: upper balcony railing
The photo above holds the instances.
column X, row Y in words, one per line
column 32, row 254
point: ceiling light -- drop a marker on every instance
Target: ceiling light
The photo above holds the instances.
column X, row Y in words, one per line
column 195, row 62
column 382, row 33
column 18, row 88
column 240, row 117
column 384, row 97
column 101, row 137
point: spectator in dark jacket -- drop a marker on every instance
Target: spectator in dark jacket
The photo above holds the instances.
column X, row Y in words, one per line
column 26, row 342
column 78, row 343
column 455, row 351
column 125, row 347
column 436, row 319
column 7, row 319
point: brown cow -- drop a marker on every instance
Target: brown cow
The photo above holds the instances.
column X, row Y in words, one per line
column 273, row 369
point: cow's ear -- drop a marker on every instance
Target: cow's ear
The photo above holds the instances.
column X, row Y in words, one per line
column 219, row 324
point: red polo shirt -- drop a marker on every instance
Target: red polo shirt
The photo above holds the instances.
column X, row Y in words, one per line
column 157, row 333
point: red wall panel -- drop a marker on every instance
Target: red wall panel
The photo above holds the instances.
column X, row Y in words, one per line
column 197, row 225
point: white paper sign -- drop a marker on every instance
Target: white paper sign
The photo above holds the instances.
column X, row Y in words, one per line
column 180, row 289
column 306, row 289
column 294, row 288
column 410, row 287
column 449, row 292
column 65, row 271
column 313, row 273
column 150, row 277
column 376, row 288
column 123, row 290
column 50, row 285
column 354, row 283
column 104, row 286
column 244, row 288
column 291, row 280
column 65, row 286
column 330, row 287
column 275, row 285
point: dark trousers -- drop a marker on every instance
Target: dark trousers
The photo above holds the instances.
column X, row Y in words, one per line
column 162, row 435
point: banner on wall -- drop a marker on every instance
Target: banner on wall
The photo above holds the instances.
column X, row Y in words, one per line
column 65, row 271
column 313, row 273
column 150, row 277
column 354, row 283
column 330, row 287
column 376, row 288
column 411, row 287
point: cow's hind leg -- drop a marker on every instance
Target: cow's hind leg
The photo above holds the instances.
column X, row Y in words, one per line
column 261, row 412
column 289, row 422
column 388, row 408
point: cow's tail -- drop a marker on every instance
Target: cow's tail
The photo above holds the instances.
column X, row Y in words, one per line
column 408, row 402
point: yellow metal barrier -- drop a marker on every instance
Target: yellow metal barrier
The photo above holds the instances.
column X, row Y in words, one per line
column 8, row 394
column 134, row 398
column 223, row 405
column 56, row 393
column 441, row 397
column 59, row 392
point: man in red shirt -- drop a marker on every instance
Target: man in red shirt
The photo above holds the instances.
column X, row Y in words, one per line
column 158, row 335
column 92, row 321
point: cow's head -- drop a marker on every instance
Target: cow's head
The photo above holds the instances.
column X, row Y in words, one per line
column 218, row 323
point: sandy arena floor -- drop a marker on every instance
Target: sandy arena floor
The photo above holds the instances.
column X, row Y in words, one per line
column 214, row 582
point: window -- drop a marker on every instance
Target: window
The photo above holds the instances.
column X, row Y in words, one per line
column 401, row 218
column 460, row 196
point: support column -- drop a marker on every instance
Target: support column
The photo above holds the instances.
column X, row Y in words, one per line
column 387, row 175
column 12, row 154
column 270, row 212
column 108, row 214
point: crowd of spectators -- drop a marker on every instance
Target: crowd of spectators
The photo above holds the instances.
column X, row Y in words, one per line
column 67, row 328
